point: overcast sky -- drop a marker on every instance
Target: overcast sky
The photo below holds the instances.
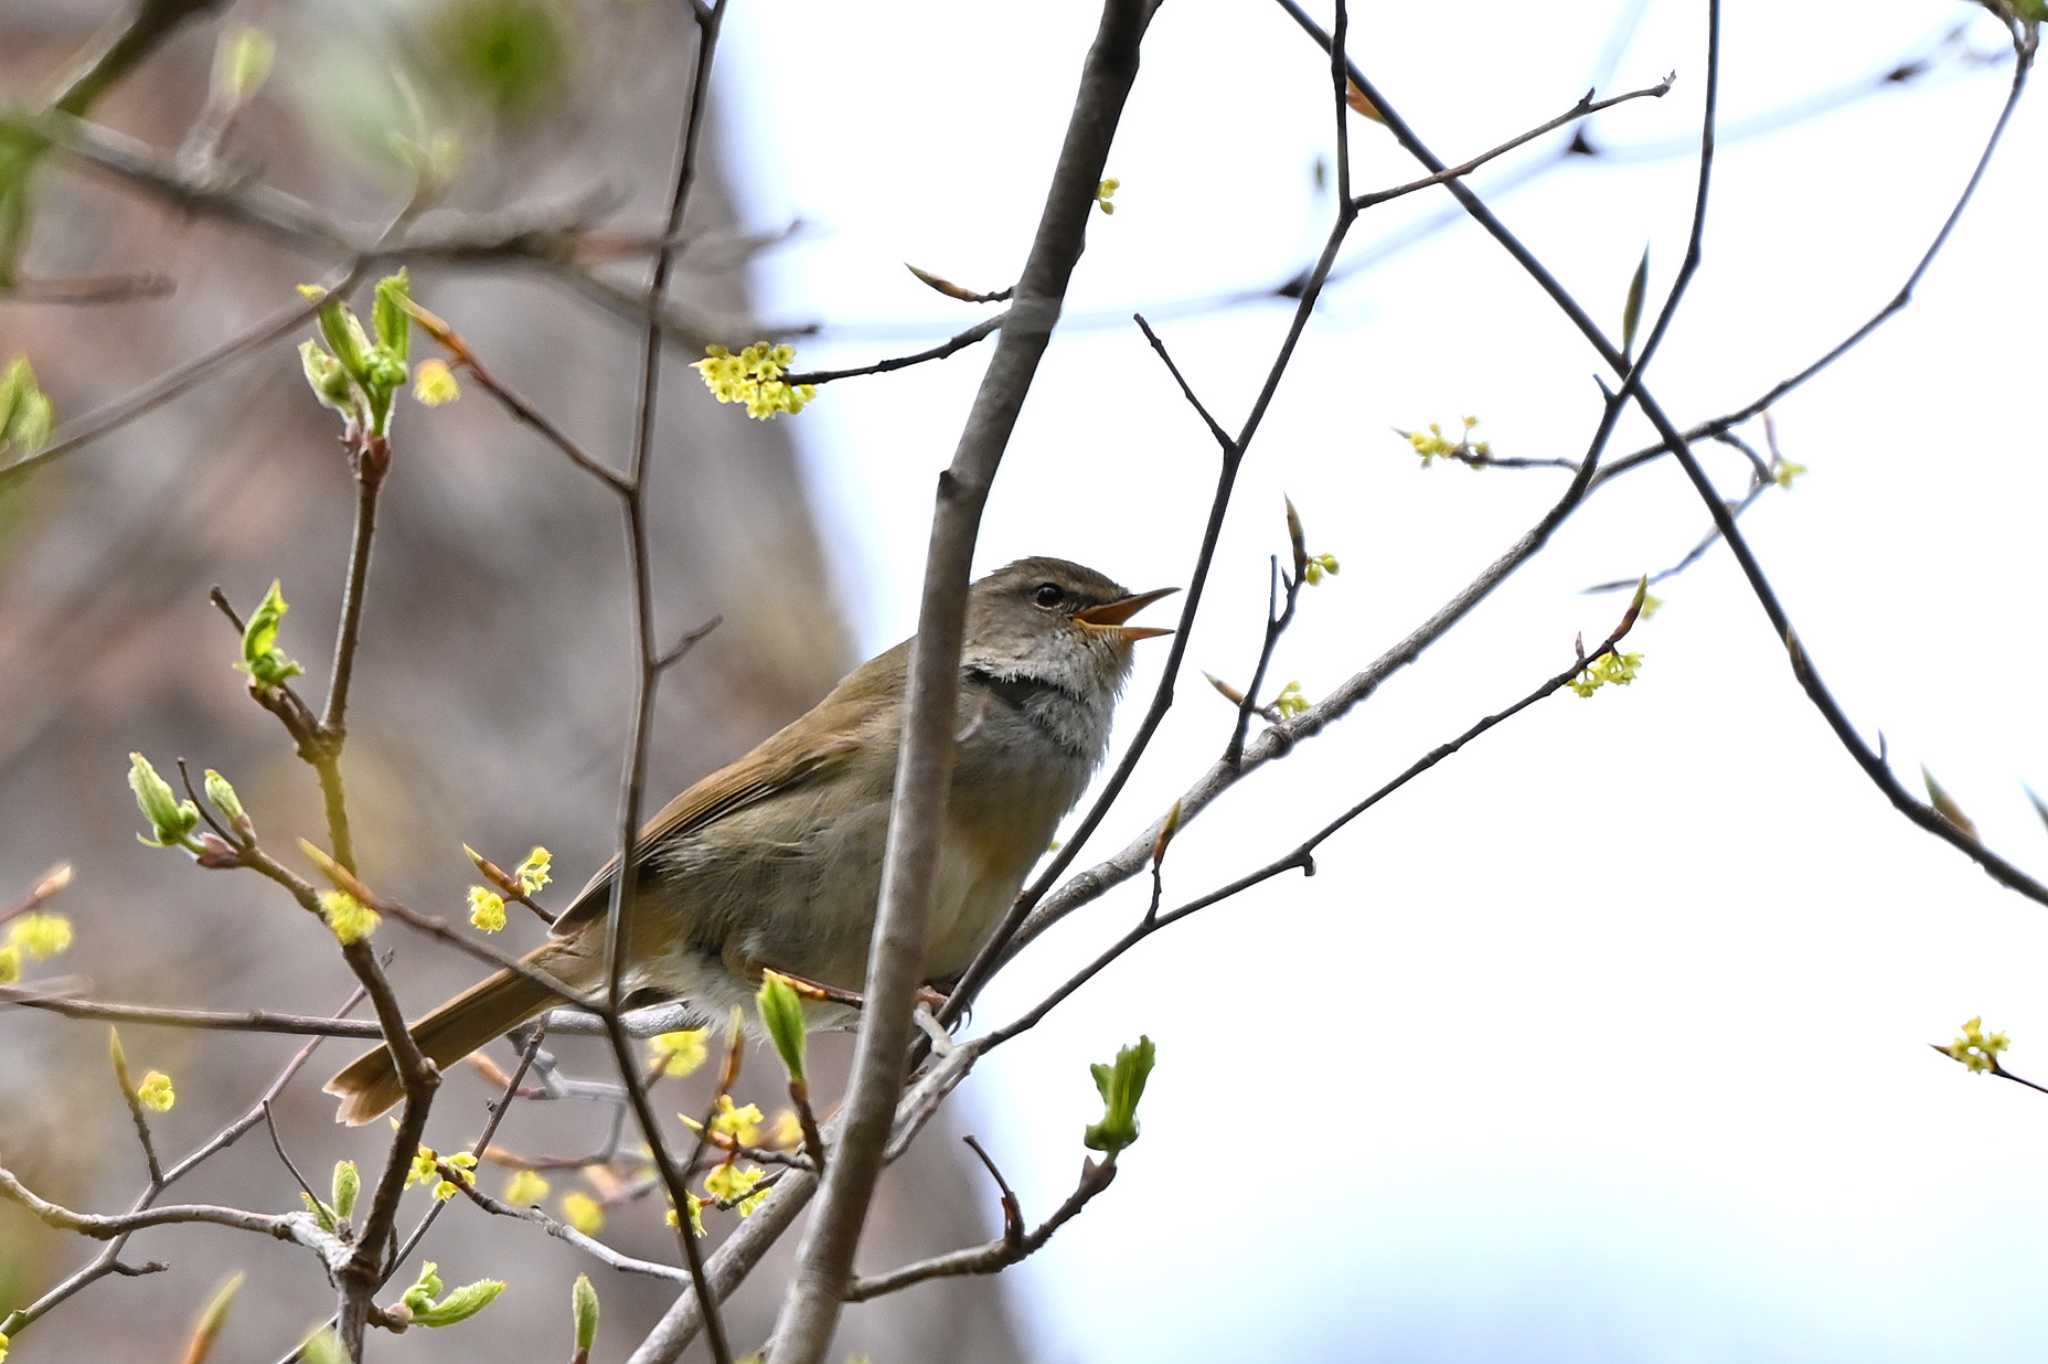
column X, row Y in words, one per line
column 1606, row 1039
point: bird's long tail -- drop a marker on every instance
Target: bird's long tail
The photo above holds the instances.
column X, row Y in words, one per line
column 369, row 1085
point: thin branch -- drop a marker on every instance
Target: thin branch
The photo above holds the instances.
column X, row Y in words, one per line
column 951, row 346
column 292, row 1226
column 1013, row 1245
column 1223, row 440
column 108, row 1262
column 561, row 1231
column 1302, row 857
column 1584, row 108
column 810, row 1311
column 649, row 667
column 277, row 1144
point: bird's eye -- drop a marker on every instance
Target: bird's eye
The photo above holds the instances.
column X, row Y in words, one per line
column 1048, row 595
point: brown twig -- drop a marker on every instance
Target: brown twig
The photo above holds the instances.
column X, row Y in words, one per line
column 1013, row 1245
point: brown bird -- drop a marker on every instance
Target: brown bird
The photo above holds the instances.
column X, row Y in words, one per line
column 775, row 861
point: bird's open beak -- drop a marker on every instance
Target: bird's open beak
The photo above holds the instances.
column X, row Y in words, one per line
column 1109, row 617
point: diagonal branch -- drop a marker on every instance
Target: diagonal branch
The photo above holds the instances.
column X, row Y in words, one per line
column 810, row 1311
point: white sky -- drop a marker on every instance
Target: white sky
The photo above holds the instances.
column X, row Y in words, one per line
column 1607, row 1038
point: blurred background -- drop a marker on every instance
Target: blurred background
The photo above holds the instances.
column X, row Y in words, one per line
column 1606, row 1039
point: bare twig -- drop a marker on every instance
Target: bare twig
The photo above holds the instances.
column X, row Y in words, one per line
column 951, row 346
column 1013, row 1245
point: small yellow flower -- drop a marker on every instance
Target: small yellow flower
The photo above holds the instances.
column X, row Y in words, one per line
column 1618, row 668
column 532, row 874
column 696, row 1215
column 464, row 1165
column 155, row 1092
column 41, row 935
column 730, row 1183
column 349, row 918
column 754, row 379
column 582, row 1212
column 423, row 1169
column 1317, row 566
column 677, row 1053
column 525, row 1189
column 3, row 1347
column 10, row 964
column 743, row 1125
column 1651, row 602
column 1106, row 191
column 788, row 1132
column 1290, row 702
column 1977, row 1049
column 1784, row 471
column 434, row 384
column 486, row 909
column 1434, row 444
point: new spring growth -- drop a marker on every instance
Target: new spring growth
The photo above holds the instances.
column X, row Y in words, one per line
column 266, row 664
column 211, row 1318
column 1613, row 665
column 1290, row 702
column 242, row 62
column 322, row 1347
column 357, row 375
column 1977, row 1049
column 754, row 378
column 526, row 1189
column 583, row 1313
column 583, row 1212
column 1121, row 1086
column 344, row 1187
column 677, row 1053
column 429, row 1308
column 1167, row 828
column 1105, row 192
column 223, row 798
column 486, row 909
column 739, row 1125
column 1433, row 444
column 696, row 1215
column 733, row 1184
column 1945, row 805
column 154, row 1093
column 171, row 821
column 26, row 413
column 782, row 1016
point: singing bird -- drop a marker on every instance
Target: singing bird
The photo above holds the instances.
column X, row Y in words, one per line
column 775, row 861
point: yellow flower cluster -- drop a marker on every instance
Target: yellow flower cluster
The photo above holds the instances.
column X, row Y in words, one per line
column 1977, row 1049
column 754, row 378
column 788, row 1132
column 1317, row 566
column 532, row 874
column 677, row 1053
column 696, row 1215
column 1290, row 702
column 433, row 383
column 1783, row 471
column 742, row 1124
column 40, row 935
column 426, row 1169
column 1106, row 191
column 1618, row 668
column 486, row 909
column 525, row 1189
column 155, row 1092
column 732, row 1183
column 1433, row 443
column 349, row 918
column 583, row 1212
